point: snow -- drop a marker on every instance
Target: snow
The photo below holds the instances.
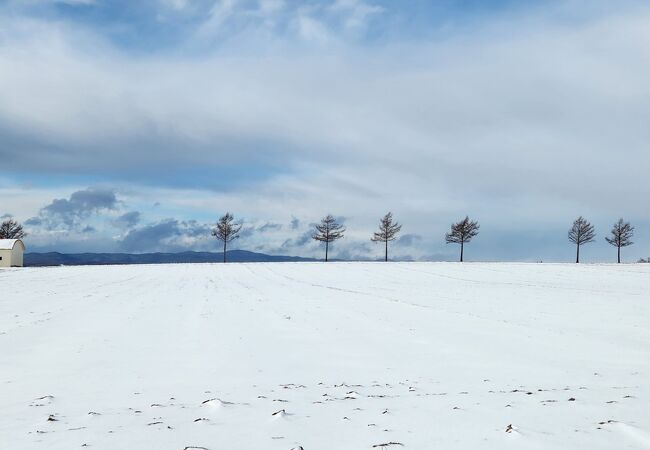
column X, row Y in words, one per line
column 7, row 244
column 323, row 356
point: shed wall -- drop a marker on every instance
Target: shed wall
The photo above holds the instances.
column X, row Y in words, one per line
column 6, row 258
column 17, row 255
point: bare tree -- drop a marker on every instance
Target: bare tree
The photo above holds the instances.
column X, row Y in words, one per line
column 462, row 232
column 621, row 236
column 328, row 230
column 582, row 232
column 226, row 230
column 10, row 229
column 387, row 232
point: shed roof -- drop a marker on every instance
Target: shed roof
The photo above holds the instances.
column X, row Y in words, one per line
column 8, row 244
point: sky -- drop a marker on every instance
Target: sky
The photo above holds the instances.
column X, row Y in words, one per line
column 133, row 126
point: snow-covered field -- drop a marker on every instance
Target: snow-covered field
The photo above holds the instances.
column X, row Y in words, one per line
column 325, row 356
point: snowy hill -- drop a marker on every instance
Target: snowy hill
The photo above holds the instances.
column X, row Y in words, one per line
column 325, row 356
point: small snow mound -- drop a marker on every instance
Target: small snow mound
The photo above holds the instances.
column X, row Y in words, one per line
column 352, row 395
column 216, row 403
column 280, row 413
column 42, row 401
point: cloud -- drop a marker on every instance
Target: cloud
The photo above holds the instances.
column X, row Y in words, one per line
column 352, row 251
column 169, row 235
column 408, row 240
column 509, row 117
column 363, row 115
column 34, row 221
column 128, row 219
column 249, row 230
column 150, row 237
column 313, row 30
column 269, row 226
column 357, row 12
column 177, row 5
column 221, row 11
column 81, row 204
column 269, row 7
column 292, row 244
column 76, row 2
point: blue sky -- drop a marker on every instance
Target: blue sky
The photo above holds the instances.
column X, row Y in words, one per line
column 131, row 126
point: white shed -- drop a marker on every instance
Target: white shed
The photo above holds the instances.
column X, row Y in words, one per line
column 11, row 252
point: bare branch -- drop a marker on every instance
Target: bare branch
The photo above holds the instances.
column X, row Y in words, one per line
column 226, row 230
column 581, row 232
column 462, row 232
column 621, row 234
column 387, row 232
column 328, row 230
column 387, row 229
column 10, row 229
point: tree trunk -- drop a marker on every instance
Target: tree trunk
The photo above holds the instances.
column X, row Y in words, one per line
column 577, row 253
column 386, row 254
column 224, row 251
column 619, row 255
column 327, row 244
column 461, row 251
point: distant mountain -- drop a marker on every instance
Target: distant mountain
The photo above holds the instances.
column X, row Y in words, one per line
column 78, row 259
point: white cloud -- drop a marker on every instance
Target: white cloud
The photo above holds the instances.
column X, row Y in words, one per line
column 222, row 10
column 178, row 5
column 312, row 29
column 521, row 123
column 269, row 7
column 358, row 12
